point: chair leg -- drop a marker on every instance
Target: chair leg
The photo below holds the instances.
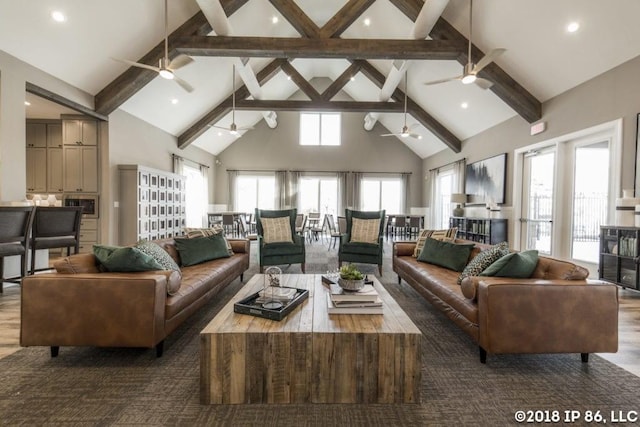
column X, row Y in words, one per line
column 1, row 275
column 584, row 357
column 33, row 261
column 23, row 265
column 380, row 269
column 483, row 355
column 159, row 348
column 55, row 350
column 302, row 266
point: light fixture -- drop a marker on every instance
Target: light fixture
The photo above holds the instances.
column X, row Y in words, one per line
column 573, row 27
column 464, row 105
column 367, row 21
column 352, row 78
column 288, row 77
column 274, row 20
column 58, row 16
column 166, row 74
column 219, row 133
column 419, row 136
column 468, row 79
column 458, row 198
column 27, row 103
column 404, row 134
column 174, row 101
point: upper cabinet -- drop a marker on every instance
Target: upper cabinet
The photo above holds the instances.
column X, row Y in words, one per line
column 36, row 135
column 54, row 135
column 79, row 132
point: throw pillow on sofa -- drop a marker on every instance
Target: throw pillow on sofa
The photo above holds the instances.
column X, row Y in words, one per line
column 159, row 254
column 517, row 264
column 445, row 254
column 192, row 232
column 483, row 260
column 124, row 259
column 201, row 249
column 448, row 234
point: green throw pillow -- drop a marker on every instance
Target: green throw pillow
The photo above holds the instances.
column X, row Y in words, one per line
column 484, row 259
column 201, row 249
column 448, row 255
column 127, row 259
column 517, row 264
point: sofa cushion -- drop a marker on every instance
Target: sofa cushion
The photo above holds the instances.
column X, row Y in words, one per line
column 365, row 230
column 159, row 254
column 124, row 259
column 448, row 234
column 200, row 249
column 284, row 248
column 449, row 255
column 276, row 229
column 76, row 264
column 361, row 248
column 483, row 260
column 191, row 232
column 516, row 264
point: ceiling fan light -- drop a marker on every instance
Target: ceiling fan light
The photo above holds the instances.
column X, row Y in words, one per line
column 404, row 134
column 233, row 132
column 166, row 74
column 468, row 79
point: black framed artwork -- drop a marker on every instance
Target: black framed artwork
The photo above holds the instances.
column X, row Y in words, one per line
column 485, row 180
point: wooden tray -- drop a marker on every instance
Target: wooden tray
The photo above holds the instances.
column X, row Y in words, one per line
column 249, row 306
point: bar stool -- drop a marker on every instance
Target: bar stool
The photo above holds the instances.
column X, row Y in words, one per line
column 15, row 224
column 55, row 227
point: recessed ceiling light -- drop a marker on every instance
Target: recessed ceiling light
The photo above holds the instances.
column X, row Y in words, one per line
column 219, row 133
column 288, row 77
column 58, row 16
column 573, row 27
column 352, row 78
column 419, row 136
column 27, row 103
column 464, row 105
column 274, row 20
column 174, row 101
column 367, row 21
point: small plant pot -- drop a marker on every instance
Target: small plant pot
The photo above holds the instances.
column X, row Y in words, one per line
column 351, row 285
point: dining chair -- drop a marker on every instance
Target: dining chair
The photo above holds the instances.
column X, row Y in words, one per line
column 55, row 227
column 229, row 224
column 415, row 224
column 15, row 224
column 334, row 232
column 400, row 225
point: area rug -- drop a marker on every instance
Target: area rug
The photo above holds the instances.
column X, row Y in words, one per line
column 117, row 386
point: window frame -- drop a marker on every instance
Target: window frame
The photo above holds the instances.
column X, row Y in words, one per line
column 319, row 138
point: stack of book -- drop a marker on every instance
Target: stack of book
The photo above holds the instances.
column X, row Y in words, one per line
column 364, row 301
column 276, row 293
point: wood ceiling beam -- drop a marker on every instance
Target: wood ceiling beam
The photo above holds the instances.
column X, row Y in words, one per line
column 344, row 18
column 337, row 85
column 301, row 82
column 133, row 79
column 416, row 111
column 223, row 108
column 319, row 105
column 282, row 47
column 505, row 87
column 296, row 17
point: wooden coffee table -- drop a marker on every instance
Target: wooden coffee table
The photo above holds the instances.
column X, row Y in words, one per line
column 310, row 356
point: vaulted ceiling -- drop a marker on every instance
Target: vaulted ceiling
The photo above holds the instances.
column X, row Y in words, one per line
column 327, row 38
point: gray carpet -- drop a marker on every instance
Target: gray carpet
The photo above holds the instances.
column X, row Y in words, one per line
column 94, row 386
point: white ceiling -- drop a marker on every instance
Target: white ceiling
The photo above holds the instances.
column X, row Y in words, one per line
column 541, row 55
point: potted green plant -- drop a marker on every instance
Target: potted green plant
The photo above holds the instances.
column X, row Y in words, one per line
column 351, row 279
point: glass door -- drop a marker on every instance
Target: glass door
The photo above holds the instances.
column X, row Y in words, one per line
column 538, row 200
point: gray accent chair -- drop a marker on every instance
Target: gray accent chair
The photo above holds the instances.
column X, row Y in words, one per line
column 279, row 253
column 366, row 253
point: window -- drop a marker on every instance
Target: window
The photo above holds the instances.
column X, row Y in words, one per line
column 381, row 193
column 319, row 128
column 196, row 202
column 255, row 192
column 318, row 194
column 444, row 189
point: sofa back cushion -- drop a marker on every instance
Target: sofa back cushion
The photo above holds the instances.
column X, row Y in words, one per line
column 550, row 268
column 77, row 264
column 445, row 254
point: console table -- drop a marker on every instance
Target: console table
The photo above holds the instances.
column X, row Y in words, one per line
column 310, row 356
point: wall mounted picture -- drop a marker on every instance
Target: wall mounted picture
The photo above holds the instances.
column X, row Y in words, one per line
column 485, row 180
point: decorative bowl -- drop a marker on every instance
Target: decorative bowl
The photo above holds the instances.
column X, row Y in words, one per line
column 351, row 285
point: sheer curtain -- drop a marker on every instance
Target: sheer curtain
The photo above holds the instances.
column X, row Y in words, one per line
column 178, row 164
column 343, row 200
column 404, row 193
column 459, row 173
column 233, row 176
column 282, row 200
column 204, row 171
column 354, row 185
column 293, row 185
column 458, row 170
column 433, row 197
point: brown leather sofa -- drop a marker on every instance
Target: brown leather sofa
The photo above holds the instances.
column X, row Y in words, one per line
column 557, row 310
column 81, row 306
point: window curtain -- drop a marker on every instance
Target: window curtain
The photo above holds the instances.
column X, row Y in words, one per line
column 354, row 186
column 233, row 177
column 293, row 185
column 281, row 201
column 204, row 172
column 459, row 173
column 178, row 165
column 343, row 201
column 432, row 179
column 404, row 194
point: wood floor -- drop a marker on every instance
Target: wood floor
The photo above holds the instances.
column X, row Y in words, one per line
column 627, row 357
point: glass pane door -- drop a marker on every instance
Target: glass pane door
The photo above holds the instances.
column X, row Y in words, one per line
column 537, row 200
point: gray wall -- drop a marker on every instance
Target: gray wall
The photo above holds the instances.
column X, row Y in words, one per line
column 612, row 95
column 279, row 149
column 134, row 141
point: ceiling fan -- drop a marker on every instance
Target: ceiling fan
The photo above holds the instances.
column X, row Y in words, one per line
column 406, row 130
column 166, row 68
column 233, row 128
column 471, row 70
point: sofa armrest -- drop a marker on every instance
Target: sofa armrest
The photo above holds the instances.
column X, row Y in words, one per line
column 242, row 246
column 547, row 316
column 403, row 248
column 99, row 309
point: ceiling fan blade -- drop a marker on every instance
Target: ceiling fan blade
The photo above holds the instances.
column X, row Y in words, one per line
column 184, row 85
column 180, row 61
column 137, row 64
column 483, row 83
column 415, row 136
column 435, row 82
column 429, row 14
column 488, row 59
column 218, row 127
column 390, row 134
column 246, row 128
